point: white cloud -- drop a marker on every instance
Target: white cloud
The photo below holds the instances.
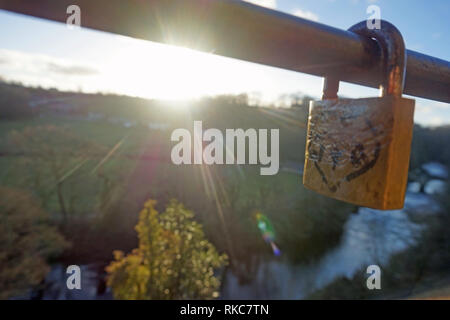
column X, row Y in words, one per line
column 305, row 14
column 46, row 71
column 431, row 113
column 44, row 64
column 436, row 121
column 264, row 3
column 424, row 109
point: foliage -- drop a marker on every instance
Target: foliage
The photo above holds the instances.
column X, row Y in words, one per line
column 430, row 144
column 313, row 227
column 306, row 224
column 14, row 102
column 408, row 272
column 174, row 260
column 52, row 156
column 26, row 241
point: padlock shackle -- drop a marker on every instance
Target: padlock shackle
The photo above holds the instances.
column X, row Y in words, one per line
column 393, row 53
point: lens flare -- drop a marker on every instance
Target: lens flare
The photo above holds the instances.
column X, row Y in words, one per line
column 267, row 232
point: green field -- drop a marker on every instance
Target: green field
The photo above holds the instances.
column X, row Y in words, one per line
column 111, row 170
column 93, row 174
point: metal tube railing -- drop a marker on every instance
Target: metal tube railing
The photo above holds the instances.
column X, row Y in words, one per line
column 244, row 31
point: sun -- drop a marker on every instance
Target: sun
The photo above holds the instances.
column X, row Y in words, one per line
column 152, row 70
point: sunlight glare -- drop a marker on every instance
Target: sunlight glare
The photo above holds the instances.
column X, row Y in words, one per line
column 170, row 73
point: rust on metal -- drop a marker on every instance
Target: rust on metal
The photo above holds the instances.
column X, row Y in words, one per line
column 358, row 150
column 244, row 31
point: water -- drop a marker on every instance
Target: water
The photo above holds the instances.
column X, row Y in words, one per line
column 369, row 237
column 92, row 284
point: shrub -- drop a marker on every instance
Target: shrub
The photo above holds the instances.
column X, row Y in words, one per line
column 174, row 260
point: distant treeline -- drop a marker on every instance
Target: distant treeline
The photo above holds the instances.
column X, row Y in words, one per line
column 430, row 144
column 18, row 102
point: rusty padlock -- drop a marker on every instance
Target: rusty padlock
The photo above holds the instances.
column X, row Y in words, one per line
column 358, row 150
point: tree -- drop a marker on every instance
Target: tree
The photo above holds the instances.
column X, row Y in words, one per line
column 26, row 241
column 14, row 102
column 174, row 260
column 53, row 156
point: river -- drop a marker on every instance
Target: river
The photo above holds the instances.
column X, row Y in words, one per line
column 369, row 237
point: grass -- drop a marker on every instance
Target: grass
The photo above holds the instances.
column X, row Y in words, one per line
column 134, row 178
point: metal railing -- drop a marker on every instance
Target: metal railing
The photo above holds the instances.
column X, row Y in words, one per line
column 248, row 32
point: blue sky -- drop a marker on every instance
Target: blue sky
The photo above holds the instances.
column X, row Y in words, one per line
column 39, row 52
